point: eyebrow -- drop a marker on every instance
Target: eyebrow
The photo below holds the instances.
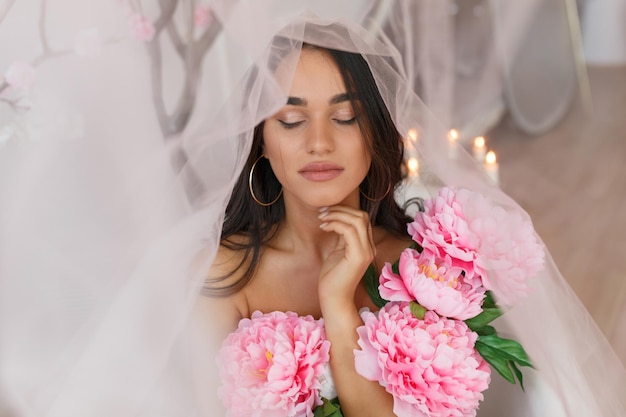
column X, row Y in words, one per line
column 336, row 99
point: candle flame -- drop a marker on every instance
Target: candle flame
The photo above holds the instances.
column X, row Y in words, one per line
column 453, row 135
column 413, row 165
column 413, row 135
column 490, row 158
column 479, row 142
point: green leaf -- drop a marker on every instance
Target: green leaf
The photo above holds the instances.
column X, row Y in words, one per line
column 417, row 310
column 485, row 317
column 395, row 267
column 371, row 279
column 506, row 348
column 503, row 355
column 497, row 362
column 518, row 373
column 371, row 285
column 489, row 301
column 486, row 330
column 329, row 408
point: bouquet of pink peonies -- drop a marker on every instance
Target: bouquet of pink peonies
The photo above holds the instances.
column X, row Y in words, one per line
column 430, row 343
column 276, row 364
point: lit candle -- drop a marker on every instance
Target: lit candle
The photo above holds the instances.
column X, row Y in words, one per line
column 413, row 166
column 479, row 149
column 413, row 135
column 412, row 187
column 410, row 144
column 491, row 166
column 453, row 136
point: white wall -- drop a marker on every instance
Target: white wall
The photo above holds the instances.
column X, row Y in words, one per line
column 604, row 31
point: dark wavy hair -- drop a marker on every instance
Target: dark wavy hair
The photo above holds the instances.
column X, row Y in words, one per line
column 248, row 226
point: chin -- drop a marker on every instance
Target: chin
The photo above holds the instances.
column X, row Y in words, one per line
column 327, row 200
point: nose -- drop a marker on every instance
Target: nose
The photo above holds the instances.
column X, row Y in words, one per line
column 319, row 138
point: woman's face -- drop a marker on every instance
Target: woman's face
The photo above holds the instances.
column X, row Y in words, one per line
column 314, row 143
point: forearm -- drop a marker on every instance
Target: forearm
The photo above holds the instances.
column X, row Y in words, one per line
column 358, row 396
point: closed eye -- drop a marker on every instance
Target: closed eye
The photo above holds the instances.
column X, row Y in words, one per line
column 288, row 125
column 346, row 121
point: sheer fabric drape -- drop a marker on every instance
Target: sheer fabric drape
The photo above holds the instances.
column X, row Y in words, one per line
column 106, row 200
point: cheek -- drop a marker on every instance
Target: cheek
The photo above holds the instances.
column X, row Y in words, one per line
column 277, row 155
column 366, row 159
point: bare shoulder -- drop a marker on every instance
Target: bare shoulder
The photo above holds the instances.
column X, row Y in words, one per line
column 222, row 273
column 226, row 267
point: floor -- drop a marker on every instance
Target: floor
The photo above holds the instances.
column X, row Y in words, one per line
column 572, row 180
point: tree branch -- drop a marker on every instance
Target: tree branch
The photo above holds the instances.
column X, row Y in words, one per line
column 168, row 7
column 193, row 71
column 192, row 54
column 208, row 37
column 177, row 41
column 14, row 104
column 42, row 27
column 156, row 67
column 187, row 99
column 193, row 66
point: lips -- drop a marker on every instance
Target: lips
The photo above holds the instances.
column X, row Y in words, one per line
column 321, row 171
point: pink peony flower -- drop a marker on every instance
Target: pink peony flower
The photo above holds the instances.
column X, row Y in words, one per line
column 430, row 366
column 20, row 75
column 509, row 254
column 202, row 17
column 272, row 365
column 498, row 247
column 434, row 283
column 142, row 27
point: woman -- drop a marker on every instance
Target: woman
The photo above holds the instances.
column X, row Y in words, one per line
column 98, row 230
column 301, row 239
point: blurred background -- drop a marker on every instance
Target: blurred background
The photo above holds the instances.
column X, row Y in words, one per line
column 570, row 174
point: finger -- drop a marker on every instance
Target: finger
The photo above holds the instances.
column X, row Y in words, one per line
column 357, row 218
column 357, row 241
column 355, row 249
column 370, row 236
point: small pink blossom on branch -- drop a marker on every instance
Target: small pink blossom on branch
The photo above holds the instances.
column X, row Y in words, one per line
column 20, row 75
column 202, row 17
column 142, row 27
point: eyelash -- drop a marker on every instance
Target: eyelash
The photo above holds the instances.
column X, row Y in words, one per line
column 346, row 122
column 293, row 125
column 290, row 125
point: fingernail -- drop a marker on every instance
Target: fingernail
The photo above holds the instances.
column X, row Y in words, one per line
column 325, row 208
column 322, row 214
column 323, row 225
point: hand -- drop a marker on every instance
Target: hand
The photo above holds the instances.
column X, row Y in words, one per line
column 344, row 267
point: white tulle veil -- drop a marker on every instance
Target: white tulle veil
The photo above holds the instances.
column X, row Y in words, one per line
column 116, row 166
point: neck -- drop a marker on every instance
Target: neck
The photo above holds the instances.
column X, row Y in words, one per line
column 300, row 231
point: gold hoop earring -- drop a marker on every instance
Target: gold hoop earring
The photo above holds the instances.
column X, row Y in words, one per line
column 375, row 200
column 252, row 191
